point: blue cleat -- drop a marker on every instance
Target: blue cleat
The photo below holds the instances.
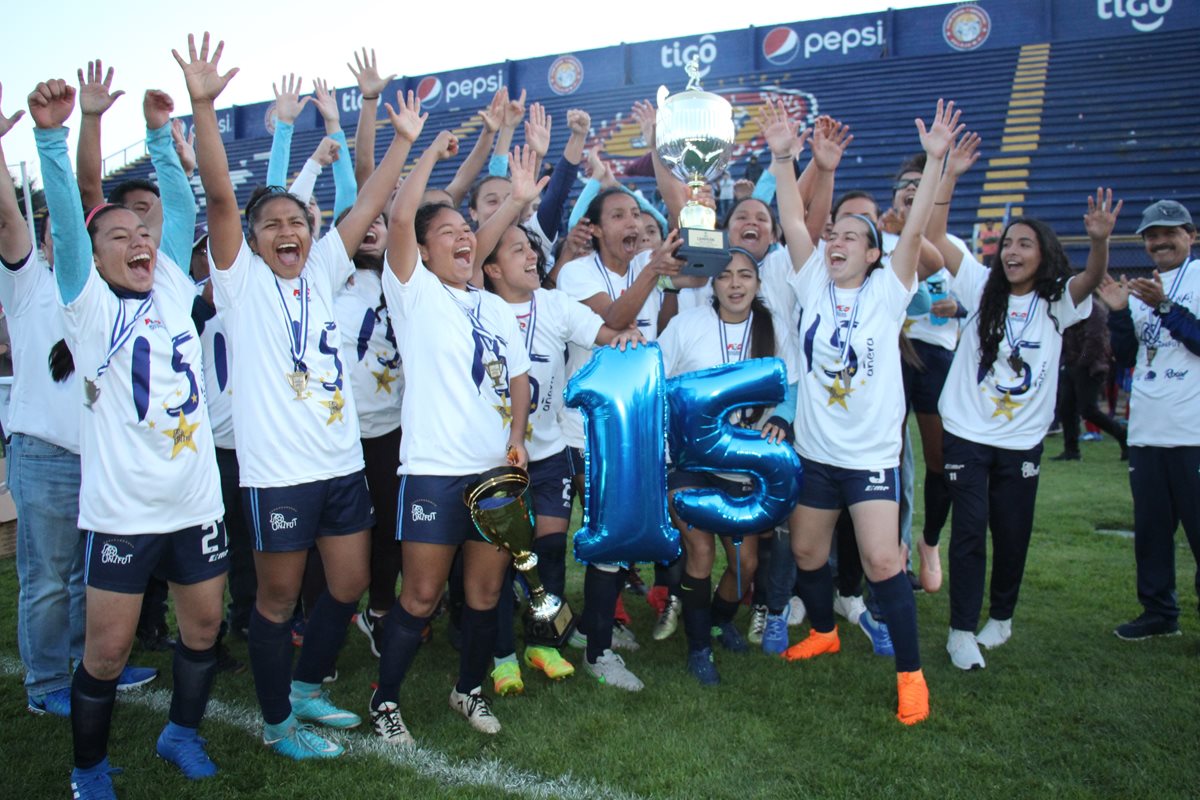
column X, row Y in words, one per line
column 184, row 748
column 877, row 632
column 299, row 742
column 316, row 707
column 57, row 703
column 93, row 783
column 700, row 664
column 775, row 635
column 729, row 638
column 133, row 677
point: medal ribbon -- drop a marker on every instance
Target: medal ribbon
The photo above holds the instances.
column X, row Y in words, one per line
column 297, row 331
column 844, row 350
column 1014, row 341
column 745, row 340
column 531, row 327
column 604, row 273
column 1154, row 327
column 122, row 331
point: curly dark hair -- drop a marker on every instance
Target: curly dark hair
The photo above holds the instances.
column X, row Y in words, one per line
column 535, row 242
column 1050, row 281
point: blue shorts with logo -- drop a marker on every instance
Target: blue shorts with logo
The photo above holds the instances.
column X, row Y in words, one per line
column 285, row 519
column 122, row 563
column 833, row 488
column 550, row 483
column 431, row 510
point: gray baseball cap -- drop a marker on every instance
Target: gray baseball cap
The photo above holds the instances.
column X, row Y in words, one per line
column 1165, row 213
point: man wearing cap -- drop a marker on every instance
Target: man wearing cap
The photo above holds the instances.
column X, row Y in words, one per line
column 1156, row 332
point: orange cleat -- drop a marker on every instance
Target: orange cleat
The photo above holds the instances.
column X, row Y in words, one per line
column 913, row 697
column 549, row 661
column 817, row 644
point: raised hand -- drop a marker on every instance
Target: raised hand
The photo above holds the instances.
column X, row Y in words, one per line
column 325, row 99
column 964, row 154
column 157, row 107
column 445, row 145
column 204, row 82
column 327, row 151
column 523, row 165
column 1101, row 216
column 7, row 123
column 51, row 103
column 778, row 129
column 407, row 119
column 647, row 118
column 892, row 220
column 942, row 132
column 288, row 103
column 370, row 85
column 537, row 130
column 514, row 111
column 185, row 147
column 95, row 93
column 829, row 141
column 1114, row 294
column 493, row 116
column 579, row 122
column 600, row 171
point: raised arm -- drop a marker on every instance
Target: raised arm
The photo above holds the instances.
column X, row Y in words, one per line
column 492, row 118
column 95, row 97
column 674, row 191
column 964, row 153
column 537, row 133
column 344, row 187
column 407, row 122
column 549, row 213
column 15, row 244
column 327, row 152
column 780, row 133
column 525, row 188
column 937, row 141
column 178, row 204
column 205, row 84
column 828, row 144
column 1099, row 221
column 370, row 87
column 402, row 236
column 514, row 112
column 288, row 105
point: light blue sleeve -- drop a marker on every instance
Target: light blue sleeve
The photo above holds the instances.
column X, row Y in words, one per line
column 921, row 302
column 787, row 409
column 345, row 187
column 178, row 202
column 72, row 247
column 644, row 204
column 281, row 153
column 590, row 190
column 498, row 165
column 765, row 188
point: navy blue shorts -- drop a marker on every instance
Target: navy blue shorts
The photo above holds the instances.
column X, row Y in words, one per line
column 285, row 519
column 118, row 563
column 682, row 479
column 834, row 488
column 430, row 510
column 551, row 486
column 922, row 388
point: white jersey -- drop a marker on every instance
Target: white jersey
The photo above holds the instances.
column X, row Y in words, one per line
column 218, row 381
column 145, row 441
column 775, row 290
column 850, row 398
column 369, row 344
column 38, row 406
column 1011, row 406
column 289, row 431
column 1166, row 388
column 460, row 349
column 582, row 279
column 548, row 323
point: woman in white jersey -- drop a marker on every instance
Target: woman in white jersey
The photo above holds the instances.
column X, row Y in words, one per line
column 150, row 498
column 548, row 320
column 465, row 410
column 999, row 397
column 737, row 325
column 301, row 463
column 850, row 405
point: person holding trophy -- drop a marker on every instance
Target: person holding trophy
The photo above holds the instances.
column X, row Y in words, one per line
column 465, row 412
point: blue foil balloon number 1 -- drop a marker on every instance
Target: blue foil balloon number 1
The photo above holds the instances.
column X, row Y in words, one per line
column 622, row 397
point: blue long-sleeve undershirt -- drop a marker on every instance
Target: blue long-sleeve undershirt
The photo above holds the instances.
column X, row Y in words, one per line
column 175, row 193
column 554, row 198
column 345, row 187
column 72, row 247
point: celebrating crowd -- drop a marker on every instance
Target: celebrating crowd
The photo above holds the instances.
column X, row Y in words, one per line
column 255, row 403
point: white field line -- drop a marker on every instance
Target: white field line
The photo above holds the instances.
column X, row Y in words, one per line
column 426, row 762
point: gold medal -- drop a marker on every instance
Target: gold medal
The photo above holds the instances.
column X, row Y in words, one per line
column 495, row 371
column 91, row 392
column 1151, row 352
column 298, row 380
column 1014, row 361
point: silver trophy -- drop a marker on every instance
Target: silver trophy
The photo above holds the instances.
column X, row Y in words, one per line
column 694, row 137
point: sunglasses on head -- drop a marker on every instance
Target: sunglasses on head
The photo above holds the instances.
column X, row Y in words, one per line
column 904, row 183
column 270, row 193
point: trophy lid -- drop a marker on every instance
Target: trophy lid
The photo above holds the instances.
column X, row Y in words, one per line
column 694, row 130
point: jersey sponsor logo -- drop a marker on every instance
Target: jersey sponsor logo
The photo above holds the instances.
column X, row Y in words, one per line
column 1135, row 10
column 1175, row 374
column 429, row 91
column 966, row 27
column 1030, row 470
column 566, row 75
column 110, row 553
column 421, row 514
column 284, row 518
column 153, row 324
column 780, row 46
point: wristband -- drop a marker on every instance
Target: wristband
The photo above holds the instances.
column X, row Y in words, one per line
column 666, row 284
column 370, row 97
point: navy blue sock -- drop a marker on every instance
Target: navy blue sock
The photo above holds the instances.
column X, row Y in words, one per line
column 762, row 572
column 551, row 552
column 401, row 641
column 479, row 639
column 270, row 646
column 895, row 596
column 506, row 638
column 193, row 671
column 600, row 592
column 723, row 610
column 815, row 588
column 323, row 638
column 92, row 703
column 696, row 594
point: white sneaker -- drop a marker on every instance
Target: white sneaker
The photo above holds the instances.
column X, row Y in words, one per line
column 475, row 707
column 964, row 650
column 850, row 607
column 796, row 612
column 610, row 669
column 758, row 624
column 995, row 633
column 668, row 620
column 389, row 725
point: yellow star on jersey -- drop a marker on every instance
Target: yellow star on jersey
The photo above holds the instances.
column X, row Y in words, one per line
column 383, row 380
column 839, row 393
column 1005, row 406
column 181, row 437
column 335, row 406
column 908, row 323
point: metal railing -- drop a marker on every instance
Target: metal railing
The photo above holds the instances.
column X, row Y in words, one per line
column 110, row 163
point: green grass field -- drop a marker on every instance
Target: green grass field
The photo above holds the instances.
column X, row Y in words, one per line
column 1063, row 710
